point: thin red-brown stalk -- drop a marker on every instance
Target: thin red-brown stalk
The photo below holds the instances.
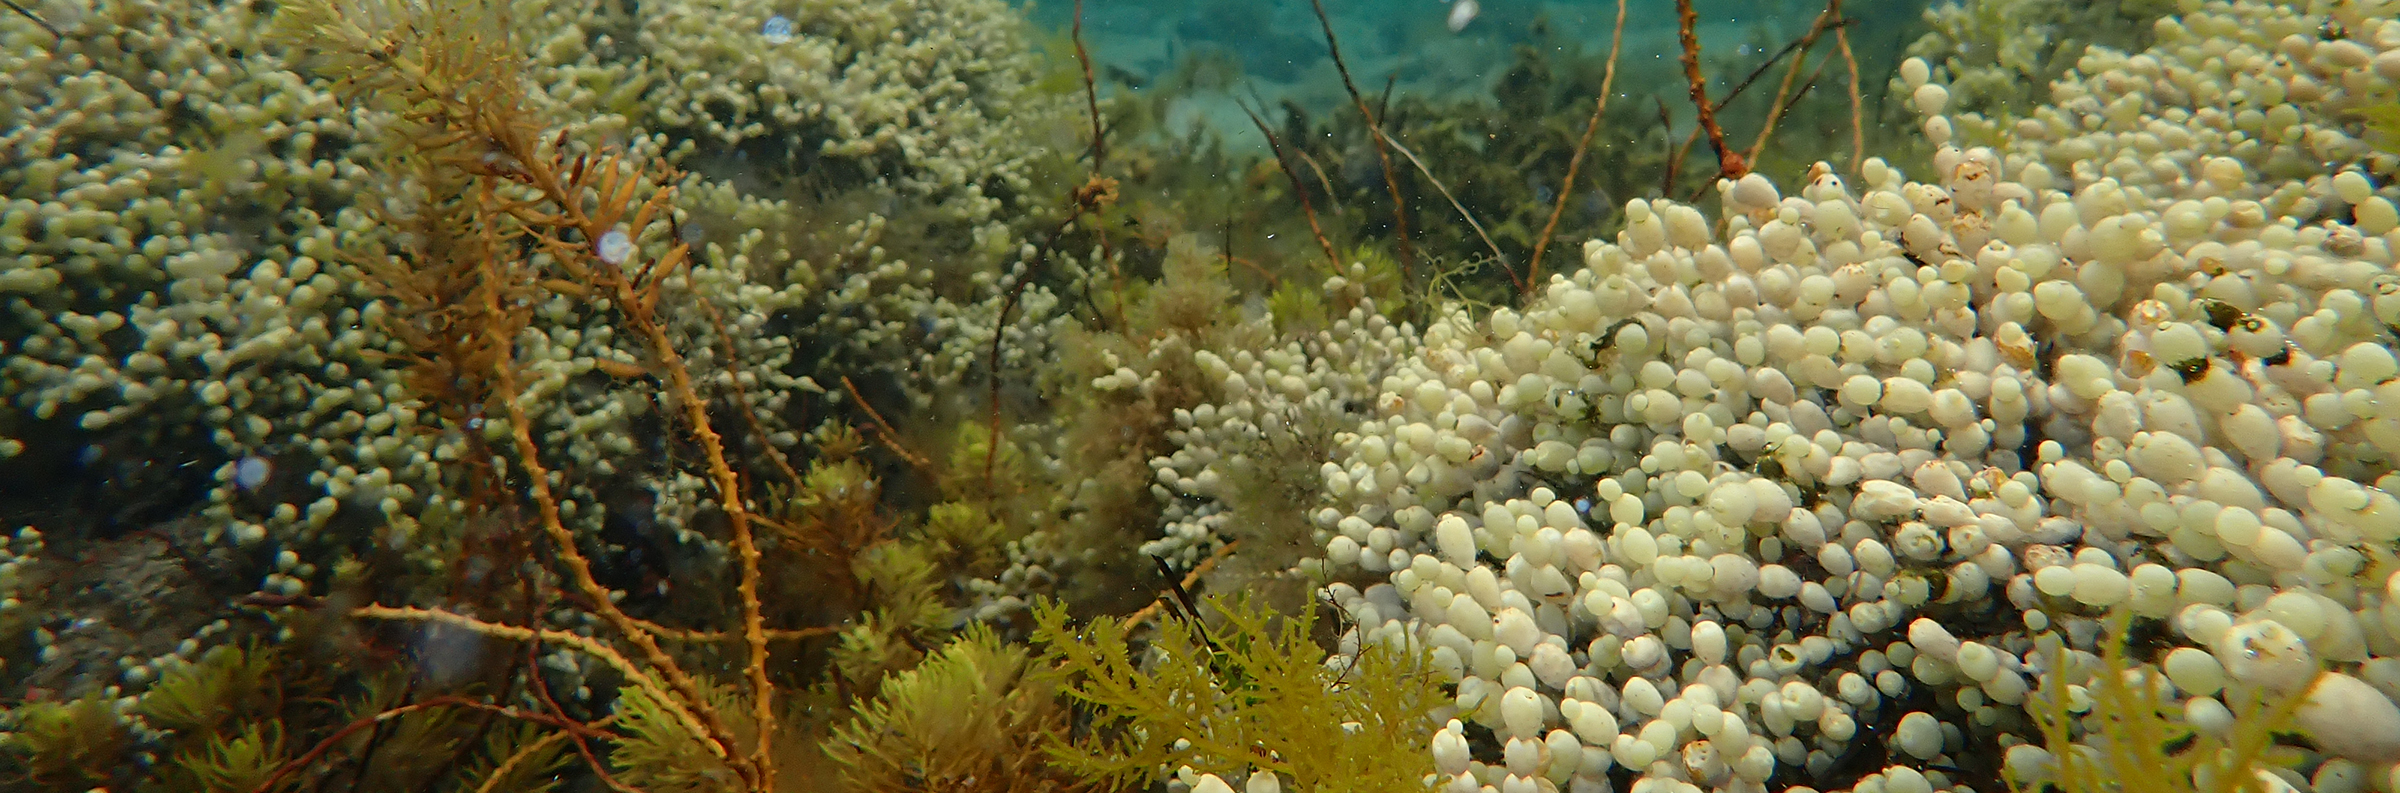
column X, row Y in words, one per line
column 891, row 437
column 583, row 746
column 1730, row 163
column 1091, row 91
column 991, row 454
column 741, row 396
column 1091, row 104
column 1307, row 209
column 1829, row 18
column 318, row 751
column 1391, row 176
column 1858, row 126
column 579, row 570
column 1190, row 579
column 1608, row 81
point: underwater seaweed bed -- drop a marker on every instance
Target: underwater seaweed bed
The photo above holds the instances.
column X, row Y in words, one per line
column 478, row 395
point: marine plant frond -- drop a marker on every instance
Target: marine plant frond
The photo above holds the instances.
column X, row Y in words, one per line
column 869, row 650
column 68, row 745
column 519, row 758
column 1262, row 698
column 243, row 762
column 656, row 752
column 969, row 540
column 967, row 719
column 905, row 582
column 228, row 683
column 2383, row 126
column 834, row 513
column 449, row 66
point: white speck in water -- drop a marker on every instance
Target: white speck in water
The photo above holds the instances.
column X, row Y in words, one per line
column 615, row 247
column 1461, row 13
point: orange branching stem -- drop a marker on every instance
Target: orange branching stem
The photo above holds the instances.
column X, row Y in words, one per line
column 1730, row 163
column 1608, row 82
column 635, row 296
column 675, row 634
column 1391, row 176
column 579, row 571
column 458, row 86
column 1300, row 190
column 1828, row 19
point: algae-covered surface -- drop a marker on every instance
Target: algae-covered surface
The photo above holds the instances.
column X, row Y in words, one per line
column 958, row 395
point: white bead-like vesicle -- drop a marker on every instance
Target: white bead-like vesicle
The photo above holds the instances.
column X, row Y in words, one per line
column 2265, row 654
column 2194, row 671
column 1516, row 630
column 1708, row 642
column 2099, row 585
column 2351, row 719
column 1521, row 712
column 1450, row 751
column 1457, row 542
column 1978, row 662
column 1918, row 736
column 1593, row 723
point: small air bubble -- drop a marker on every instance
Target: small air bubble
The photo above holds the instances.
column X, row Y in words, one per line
column 615, row 247
column 778, row 29
column 251, row 472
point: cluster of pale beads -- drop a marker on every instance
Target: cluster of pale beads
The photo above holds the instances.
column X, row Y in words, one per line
column 1877, row 454
column 1274, row 420
column 931, row 96
column 161, row 275
column 167, row 280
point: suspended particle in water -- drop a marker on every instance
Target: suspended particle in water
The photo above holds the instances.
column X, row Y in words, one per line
column 251, row 472
column 615, row 247
column 1461, row 13
column 778, row 29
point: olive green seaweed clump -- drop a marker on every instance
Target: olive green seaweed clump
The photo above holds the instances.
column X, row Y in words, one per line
column 1259, row 696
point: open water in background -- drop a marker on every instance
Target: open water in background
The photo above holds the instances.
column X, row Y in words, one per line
column 1275, row 49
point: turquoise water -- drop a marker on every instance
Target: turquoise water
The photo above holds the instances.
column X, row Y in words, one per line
column 1276, row 49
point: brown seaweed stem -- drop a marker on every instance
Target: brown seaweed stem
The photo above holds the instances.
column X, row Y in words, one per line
column 1677, row 153
column 28, row 14
column 583, row 743
column 1307, row 209
column 741, row 396
column 636, row 299
column 1730, row 163
column 1091, row 106
column 1608, row 82
column 1190, row 580
column 1828, row 19
column 1858, row 124
column 1391, row 176
column 883, row 429
column 1091, row 91
column 317, row 752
